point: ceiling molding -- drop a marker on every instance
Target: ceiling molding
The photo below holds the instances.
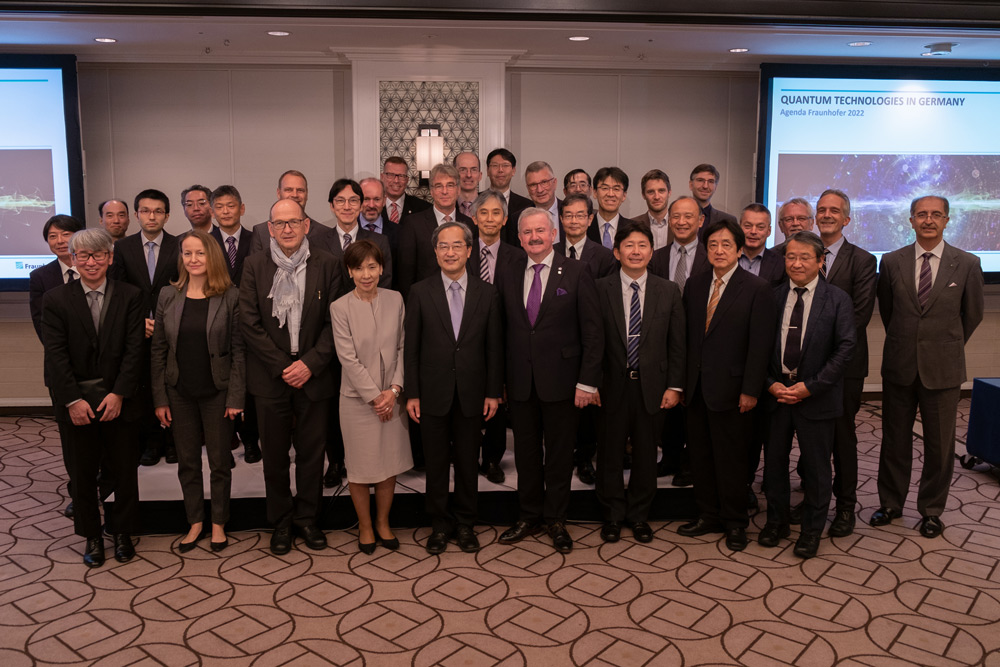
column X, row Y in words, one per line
column 380, row 54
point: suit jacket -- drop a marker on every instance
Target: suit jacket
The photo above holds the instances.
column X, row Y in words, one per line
column 566, row 343
column 74, row 352
column 330, row 242
column 130, row 266
column 728, row 359
column 712, row 214
column 390, row 231
column 661, row 342
column 595, row 232
column 242, row 250
column 772, row 268
column 826, row 349
column 261, row 239
column 268, row 346
column 366, row 344
column 416, row 259
column 411, row 204
column 225, row 344
column 599, row 260
column 439, row 365
column 659, row 265
column 40, row 281
column 928, row 342
column 505, row 255
column 515, row 205
column 854, row 272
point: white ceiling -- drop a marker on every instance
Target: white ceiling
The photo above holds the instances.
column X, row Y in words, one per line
column 522, row 43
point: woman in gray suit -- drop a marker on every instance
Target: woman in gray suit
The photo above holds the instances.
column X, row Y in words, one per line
column 368, row 332
column 197, row 375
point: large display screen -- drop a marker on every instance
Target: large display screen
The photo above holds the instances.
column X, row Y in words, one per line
column 885, row 136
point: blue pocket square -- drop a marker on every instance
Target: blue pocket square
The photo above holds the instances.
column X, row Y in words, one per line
column 561, row 292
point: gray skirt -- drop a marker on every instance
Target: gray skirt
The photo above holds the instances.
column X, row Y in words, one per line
column 374, row 451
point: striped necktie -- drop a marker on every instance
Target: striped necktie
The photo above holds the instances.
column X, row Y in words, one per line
column 394, row 212
column 634, row 327
column 484, row 265
column 713, row 302
column 231, row 251
column 924, row 286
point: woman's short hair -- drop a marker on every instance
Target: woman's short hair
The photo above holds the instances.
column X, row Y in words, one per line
column 359, row 252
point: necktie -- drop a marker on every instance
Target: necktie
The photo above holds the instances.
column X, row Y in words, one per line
column 347, row 240
column 713, row 302
column 484, row 265
column 572, row 252
column 95, row 308
column 535, row 294
column 924, row 287
column 394, row 212
column 825, row 266
column 151, row 260
column 231, row 251
column 371, row 227
column 793, row 339
column 455, row 306
column 467, row 208
column 446, row 218
column 70, row 275
column 634, row 327
column 680, row 271
column 607, row 241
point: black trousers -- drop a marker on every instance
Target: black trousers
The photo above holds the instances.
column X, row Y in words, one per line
column 246, row 426
column 586, row 436
column 448, row 438
column 629, row 421
column 494, row 442
column 290, row 420
column 200, row 422
column 110, row 443
column 674, row 439
column 334, row 436
column 544, row 435
column 845, row 447
column 760, row 431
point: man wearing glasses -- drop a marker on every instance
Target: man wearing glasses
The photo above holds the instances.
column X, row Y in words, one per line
column 541, row 182
column 501, row 167
column 291, row 185
column 611, row 187
column 704, row 180
column 398, row 204
column 346, row 197
column 197, row 207
column 795, row 215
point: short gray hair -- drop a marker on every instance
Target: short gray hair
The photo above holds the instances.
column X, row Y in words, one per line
column 95, row 239
column 445, row 169
column 917, row 200
column 536, row 166
column 466, row 232
column 801, row 202
column 843, row 197
column 534, row 210
column 487, row 195
column 810, row 239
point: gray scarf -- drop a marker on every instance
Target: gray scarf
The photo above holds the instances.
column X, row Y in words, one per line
column 284, row 291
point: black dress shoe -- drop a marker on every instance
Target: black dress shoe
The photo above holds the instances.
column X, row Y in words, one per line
column 753, row 505
column 586, row 473
column 682, row 478
column 611, row 531
column 150, row 456
column 68, row 512
column 664, row 468
column 312, row 536
column 883, row 516
column 843, row 523
column 218, row 546
column 520, row 530
column 931, row 526
column 93, row 556
column 367, row 548
column 560, row 537
column 467, row 540
column 795, row 515
column 185, row 547
column 736, row 539
column 437, row 542
column 806, row 546
column 772, row 533
column 495, row 474
column 700, row 527
column 124, row 549
column 391, row 544
column 333, row 477
column 642, row 532
column 251, row 452
column 171, row 455
column 281, row 540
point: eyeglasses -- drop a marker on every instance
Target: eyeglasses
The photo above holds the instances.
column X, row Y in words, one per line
column 605, row 189
column 279, row 225
column 158, row 212
column 457, row 246
column 440, row 187
column 496, row 164
column 936, row 216
column 352, row 201
column 704, row 181
column 99, row 256
column 395, row 177
column 541, row 184
column 192, row 204
column 582, row 217
column 795, row 218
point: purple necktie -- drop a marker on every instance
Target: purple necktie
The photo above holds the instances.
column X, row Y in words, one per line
column 924, row 286
column 455, row 305
column 347, row 241
column 535, row 294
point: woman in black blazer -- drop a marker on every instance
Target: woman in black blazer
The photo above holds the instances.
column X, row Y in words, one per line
column 198, row 377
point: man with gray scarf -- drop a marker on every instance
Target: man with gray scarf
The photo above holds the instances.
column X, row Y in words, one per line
column 285, row 296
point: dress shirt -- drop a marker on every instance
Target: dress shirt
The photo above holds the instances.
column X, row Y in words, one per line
column 614, row 227
column 294, row 320
column 554, row 212
column 439, row 216
column 752, row 264
column 67, row 267
column 675, row 256
column 807, row 298
column 364, row 222
column 833, row 249
column 660, row 229
column 225, row 237
column 578, row 245
column 399, row 202
column 156, row 249
column 463, row 282
column 353, row 231
column 725, row 281
column 492, row 258
column 935, row 261
column 627, row 301
column 529, row 275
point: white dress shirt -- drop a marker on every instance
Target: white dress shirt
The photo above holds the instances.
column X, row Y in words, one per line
column 935, row 261
column 786, row 316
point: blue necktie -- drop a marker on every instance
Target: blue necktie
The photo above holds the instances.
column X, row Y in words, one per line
column 151, row 260
column 608, row 242
column 634, row 327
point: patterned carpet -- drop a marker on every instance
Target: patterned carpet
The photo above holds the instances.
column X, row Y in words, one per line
column 879, row 597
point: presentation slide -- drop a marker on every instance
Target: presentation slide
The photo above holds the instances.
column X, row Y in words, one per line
column 884, row 142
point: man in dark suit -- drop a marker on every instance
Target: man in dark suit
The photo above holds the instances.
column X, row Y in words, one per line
column 730, row 321
column 454, row 374
column 815, row 340
column 655, row 190
column 373, row 217
column 577, row 182
column 611, row 189
column 501, row 167
column 541, row 183
column 703, row 182
column 930, row 298
column 92, row 329
column 148, row 260
column 114, row 217
column 470, row 174
column 196, row 203
column 416, row 260
column 489, row 257
column 235, row 241
column 853, row 270
column 57, row 232
column 345, row 200
column 291, row 185
column 643, row 376
column 285, row 298
column 576, row 213
column 794, row 215
column 554, row 347
column 398, row 204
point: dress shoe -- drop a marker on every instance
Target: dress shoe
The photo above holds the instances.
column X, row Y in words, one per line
column 312, row 536
column 68, row 512
column 251, row 452
column 682, row 478
column 467, row 540
column 281, row 540
column 437, row 542
column 883, row 516
column 806, row 546
column 753, row 505
column 664, row 468
column 367, row 548
column 586, row 473
column 150, row 456
column 520, row 530
column 560, row 537
column 642, row 532
column 795, row 515
column 772, row 533
column 931, row 526
column 391, row 544
column 185, row 547
column 124, row 549
column 843, row 523
column 495, row 474
column 333, row 477
column 219, row 546
column 736, row 539
column 611, row 531
column 700, row 527
column 171, row 455
column 94, row 554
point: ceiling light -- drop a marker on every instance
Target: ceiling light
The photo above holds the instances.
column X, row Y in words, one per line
column 859, row 43
column 938, row 48
column 278, row 33
column 579, row 38
column 105, row 40
column 739, row 50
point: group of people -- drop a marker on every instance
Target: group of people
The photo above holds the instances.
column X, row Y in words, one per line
column 412, row 333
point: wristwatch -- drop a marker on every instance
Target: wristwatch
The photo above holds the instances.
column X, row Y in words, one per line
column 395, row 392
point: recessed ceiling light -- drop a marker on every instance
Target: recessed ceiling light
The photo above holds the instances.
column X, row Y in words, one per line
column 859, row 43
column 939, row 48
column 278, row 33
column 105, row 40
column 739, row 50
column 579, row 38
